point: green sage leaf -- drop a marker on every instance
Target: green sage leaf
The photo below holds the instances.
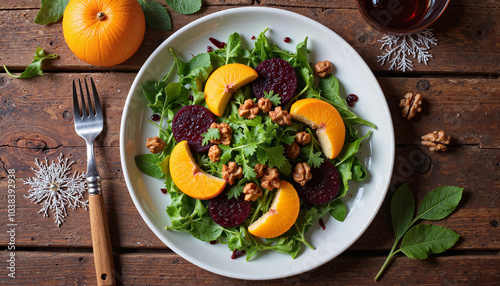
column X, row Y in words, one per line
column 50, row 11
column 156, row 15
column 185, row 7
column 439, row 203
column 402, row 209
column 426, row 239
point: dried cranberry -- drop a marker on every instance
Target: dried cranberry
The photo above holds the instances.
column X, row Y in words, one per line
column 164, row 191
column 286, row 40
column 351, row 99
column 237, row 253
column 275, row 75
column 229, row 212
column 189, row 123
column 323, row 187
column 155, row 117
column 322, row 224
column 209, row 49
column 217, row 43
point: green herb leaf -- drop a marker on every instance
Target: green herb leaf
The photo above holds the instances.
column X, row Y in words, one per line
column 211, row 134
column 426, row 239
column 35, row 68
column 275, row 156
column 359, row 173
column 149, row 165
column 233, row 46
column 205, row 229
column 402, row 208
column 185, row 7
column 338, row 210
column 50, row 11
column 156, row 15
column 274, row 98
column 350, row 149
column 439, row 203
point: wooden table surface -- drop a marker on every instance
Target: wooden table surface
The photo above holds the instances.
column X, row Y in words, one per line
column 460, row 87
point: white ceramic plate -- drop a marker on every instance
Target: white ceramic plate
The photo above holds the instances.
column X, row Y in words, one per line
column 363, row 200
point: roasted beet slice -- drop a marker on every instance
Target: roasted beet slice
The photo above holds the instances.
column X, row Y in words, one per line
column 323, row 187
column 229, row 212
column 189, row 123
column 276, row 75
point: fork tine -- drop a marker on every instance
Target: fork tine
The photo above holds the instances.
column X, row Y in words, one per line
column 97, row 102
column 91, row 109
column 76, row 107
column 84, row 106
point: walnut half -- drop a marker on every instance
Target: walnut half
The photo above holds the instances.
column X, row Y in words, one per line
column 155, row 144
column 231, row 172
column 323, row 68
column 302, row 173
column 436, row 141
column 411, row 105
column 252, row 192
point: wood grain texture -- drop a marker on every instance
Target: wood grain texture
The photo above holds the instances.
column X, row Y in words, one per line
column 35, row 4
column 472, row 36
column 169, row 268
column 467, row 109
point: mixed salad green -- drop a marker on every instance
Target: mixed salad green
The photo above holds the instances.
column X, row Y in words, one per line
column 258, row 140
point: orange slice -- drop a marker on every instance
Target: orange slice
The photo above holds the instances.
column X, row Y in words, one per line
column 223, row 82
column 281, row 216
column 327, row 121
column 189, row 178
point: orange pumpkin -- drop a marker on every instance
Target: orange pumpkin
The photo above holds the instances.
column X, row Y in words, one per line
column 103, row 32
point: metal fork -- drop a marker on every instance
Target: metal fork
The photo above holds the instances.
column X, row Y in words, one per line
column 89, row 124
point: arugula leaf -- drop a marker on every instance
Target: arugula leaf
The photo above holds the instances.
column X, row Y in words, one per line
column 35, row 68
column 402, row 208
column 359, row 173
column 439, row 203
column 149, row 165
column 156, row 15
column 426, row 239
column 211, row 134
column 50, row 11
column 350, row 149
column 338, row 210
column 233, row 46
column 206, row 229
column 185, row 7
column 274, row 98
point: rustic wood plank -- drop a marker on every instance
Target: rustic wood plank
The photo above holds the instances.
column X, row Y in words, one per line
column 467, row 109
column 476, row 219
column 49, row 268
column 472, row 36
column 35, row 4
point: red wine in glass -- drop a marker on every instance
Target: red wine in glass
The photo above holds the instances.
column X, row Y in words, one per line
column 401, row 16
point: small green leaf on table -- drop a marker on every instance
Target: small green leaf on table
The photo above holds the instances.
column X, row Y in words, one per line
column 439, row 203
column 35, row 68
column 185, row 7
column 50, row 11
column 402, row 209
column 156, row 15
column 426, row 239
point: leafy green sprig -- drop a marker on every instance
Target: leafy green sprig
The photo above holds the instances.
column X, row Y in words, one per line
column 35, row 68
column 422, row 240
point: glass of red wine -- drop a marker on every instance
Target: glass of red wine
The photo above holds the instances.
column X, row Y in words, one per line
column 399, row 17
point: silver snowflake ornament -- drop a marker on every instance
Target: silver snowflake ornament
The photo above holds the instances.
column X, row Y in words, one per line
column 55, row 188
column 399, row 49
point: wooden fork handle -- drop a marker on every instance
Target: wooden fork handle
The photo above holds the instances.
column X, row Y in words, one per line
column 103, row 255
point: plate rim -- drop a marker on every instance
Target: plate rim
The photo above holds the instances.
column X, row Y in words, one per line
column 123, row 152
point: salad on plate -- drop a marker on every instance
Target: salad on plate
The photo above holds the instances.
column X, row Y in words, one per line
column 255, row 145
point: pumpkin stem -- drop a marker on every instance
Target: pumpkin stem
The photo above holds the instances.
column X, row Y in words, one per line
column 101, row 16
